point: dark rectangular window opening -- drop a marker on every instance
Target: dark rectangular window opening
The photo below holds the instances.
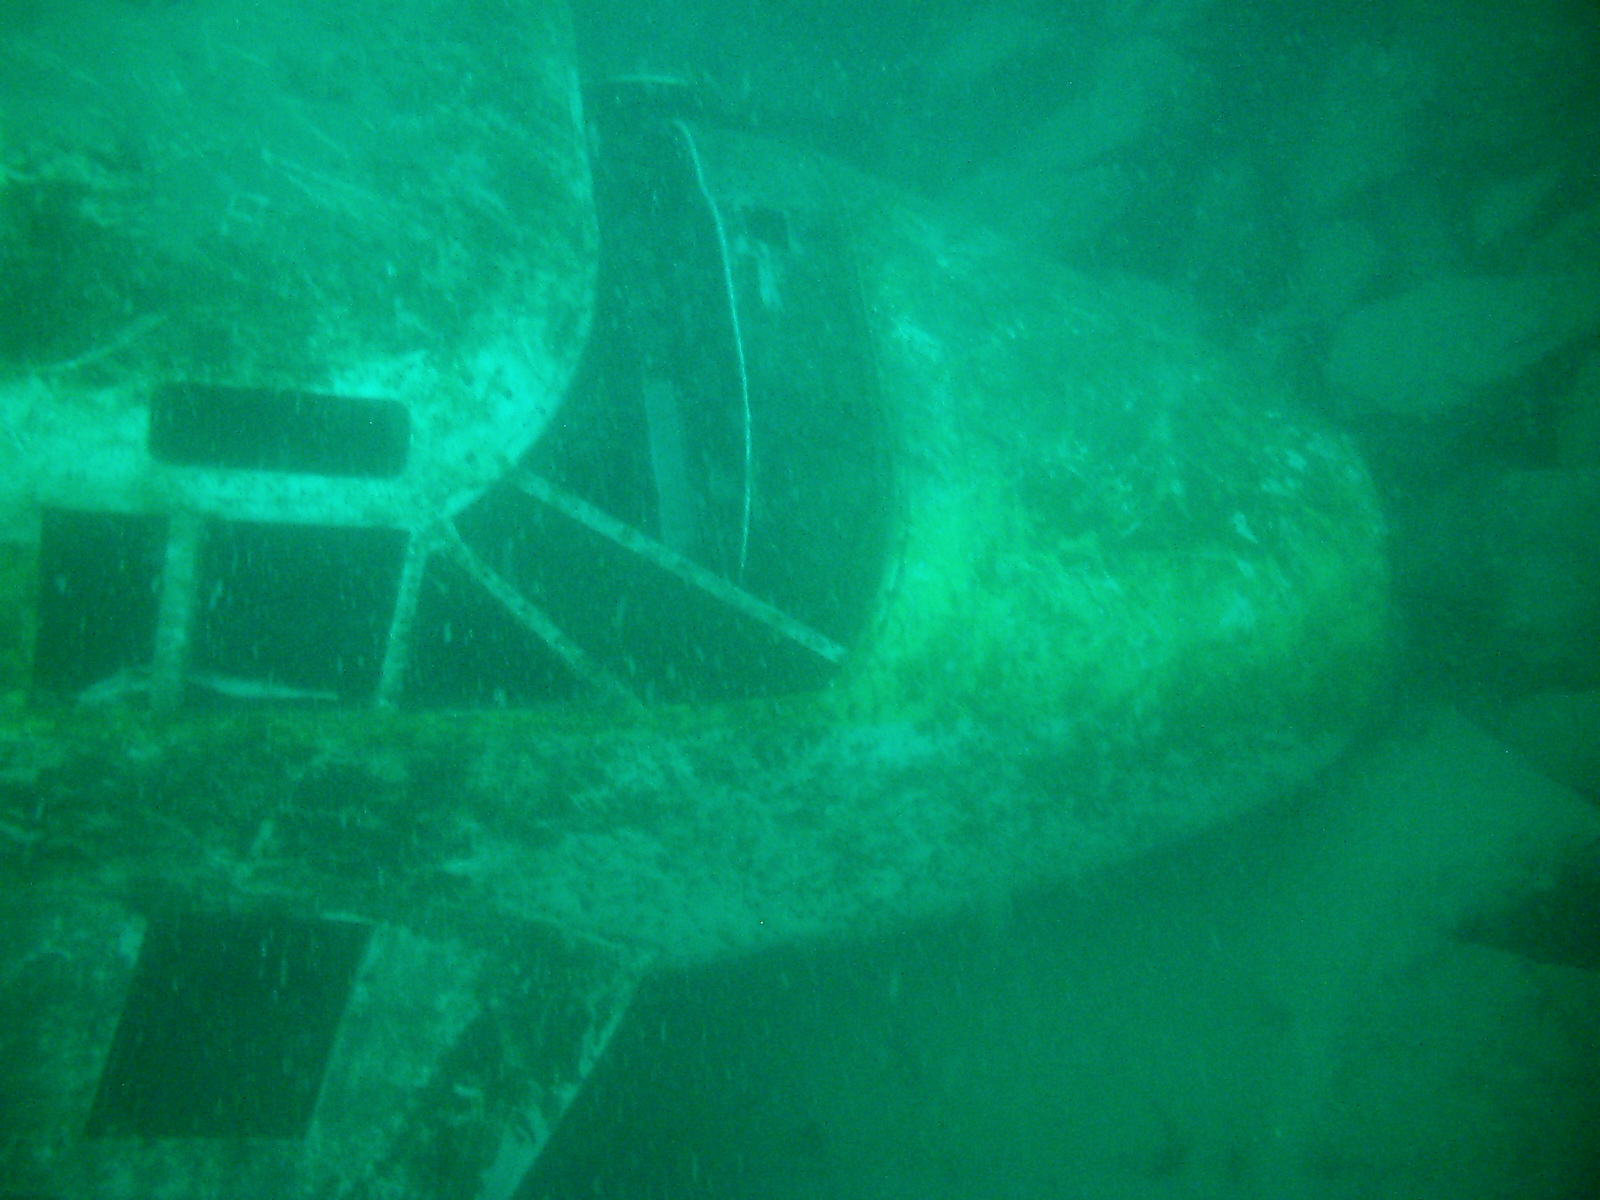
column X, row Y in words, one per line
column 99, row 596
column 265, row 429
column 228, row 1027
column 301, row 607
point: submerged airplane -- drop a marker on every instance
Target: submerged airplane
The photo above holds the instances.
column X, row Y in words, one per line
column 468, row 539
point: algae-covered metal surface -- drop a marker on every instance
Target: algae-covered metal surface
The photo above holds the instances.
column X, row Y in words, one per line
column 460, row 549
column 1127, row 596
column 229, row 198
